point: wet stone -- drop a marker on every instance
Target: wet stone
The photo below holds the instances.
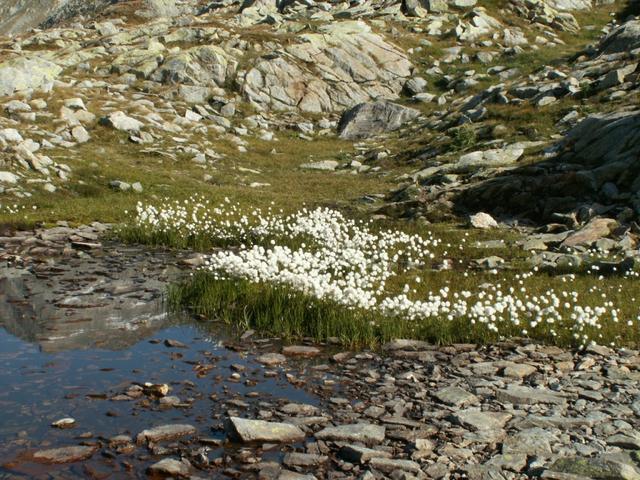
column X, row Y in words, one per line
column 300, row 351
column 170, row 467
column 299, row 409
column 271, row 359
column 165, row 432
column 65, row 454
column 64, row 423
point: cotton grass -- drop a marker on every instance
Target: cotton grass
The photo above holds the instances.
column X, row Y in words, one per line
column 316, row 272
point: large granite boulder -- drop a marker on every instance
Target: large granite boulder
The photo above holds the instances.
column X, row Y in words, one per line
column 369, row 119
column 344, row 64
column 26, row 73
column 159, row 8
column 207, row 65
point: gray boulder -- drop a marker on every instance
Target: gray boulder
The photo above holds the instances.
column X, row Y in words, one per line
column 369, row 119
column 120, row 121
column 341, row 65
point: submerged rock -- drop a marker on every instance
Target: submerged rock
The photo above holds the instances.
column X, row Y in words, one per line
column 301, row 351
column 170, row 467
column 270, row 359
column 65, row 454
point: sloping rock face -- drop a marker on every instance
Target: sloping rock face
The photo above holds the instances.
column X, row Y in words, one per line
column 624, row 38
column 17, row 16
column 340, row 66
column 25, row 73
column 336, row 67
column 598, row 162
column 20, row 15
column 601, row 140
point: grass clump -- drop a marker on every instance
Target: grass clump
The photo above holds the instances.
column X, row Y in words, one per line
column 464, row 137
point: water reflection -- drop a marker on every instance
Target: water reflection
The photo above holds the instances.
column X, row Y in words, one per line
column 71, row 341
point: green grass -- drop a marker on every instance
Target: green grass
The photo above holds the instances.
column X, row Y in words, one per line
column 279, row 310
column 110, row 156
column 283, row 312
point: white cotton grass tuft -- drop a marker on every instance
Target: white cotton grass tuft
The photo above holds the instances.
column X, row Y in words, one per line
column 321, row 253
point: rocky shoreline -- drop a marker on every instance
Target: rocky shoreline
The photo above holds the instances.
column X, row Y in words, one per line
column 412, row 410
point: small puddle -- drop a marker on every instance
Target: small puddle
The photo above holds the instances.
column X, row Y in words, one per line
column 74, row 336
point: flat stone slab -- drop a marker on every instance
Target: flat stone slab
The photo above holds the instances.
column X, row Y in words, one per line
column 456, row 397
column 520, row 395
column 65, row 454
column 388, row 465
column 366, row 433
column 296, row 459
column 479, row 421
column 301, row 351
column 247, row 430
column 532, row 441
column 358, row 454
column 165, row 432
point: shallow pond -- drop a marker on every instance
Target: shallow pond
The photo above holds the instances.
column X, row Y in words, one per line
column 74, row 336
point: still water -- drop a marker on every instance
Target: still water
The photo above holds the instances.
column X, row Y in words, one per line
column 74, row 338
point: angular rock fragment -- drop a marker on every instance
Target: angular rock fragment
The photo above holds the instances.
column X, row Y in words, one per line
column 366, row 433
column 247, row 430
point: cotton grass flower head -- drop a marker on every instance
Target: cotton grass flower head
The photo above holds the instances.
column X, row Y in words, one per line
column 326, row 256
